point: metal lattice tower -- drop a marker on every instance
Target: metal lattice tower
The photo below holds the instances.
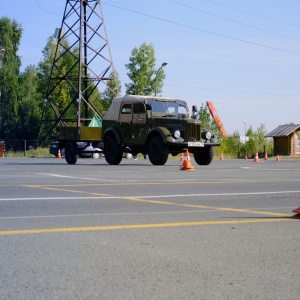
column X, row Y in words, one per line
column 82, row 41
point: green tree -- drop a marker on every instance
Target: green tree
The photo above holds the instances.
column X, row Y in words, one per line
column 207, row 121
column 260, row 137
column 145, row 79
column 62, row 94
column 204, row 116
column 230, row 146
column 43, row 75
column 263, row 144
column 29, row 109
column 113, row 89
column 10, row 36
column 252, row 145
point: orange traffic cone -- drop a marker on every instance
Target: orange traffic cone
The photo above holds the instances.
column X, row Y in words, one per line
column 181, row 158
column 221, row 157
column 277, row 158
column 186, row 163
column 266, row 156
column 246, row 157
column 256, row 159
column 58, row 154
column 297, row 211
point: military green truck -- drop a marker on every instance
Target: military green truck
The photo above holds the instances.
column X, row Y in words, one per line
column 143, row 124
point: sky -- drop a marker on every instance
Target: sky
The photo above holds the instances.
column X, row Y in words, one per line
column 243, row 56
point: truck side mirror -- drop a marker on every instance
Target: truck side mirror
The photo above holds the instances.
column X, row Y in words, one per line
column 194, row 108
column 148, row 107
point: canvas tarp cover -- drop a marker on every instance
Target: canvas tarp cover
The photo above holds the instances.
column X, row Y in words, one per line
column 114, row 110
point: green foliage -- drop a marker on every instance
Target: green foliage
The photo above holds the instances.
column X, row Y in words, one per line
column 29, row 108
column 229, row 146
column 62, row 94
column 145, row 79
column 113, row 89
column 235, row 148
column 207, row 121
column 260, row 134
column 38, row 152
column 204, row 116
column 95, row 98
column 10, row 36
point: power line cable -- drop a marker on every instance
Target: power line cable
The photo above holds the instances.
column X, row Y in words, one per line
column 202, row 30
column 233, row 91
column 257, row 104
column 231, row 85
column 47, row 11
column 251, row 13
column 231, row 20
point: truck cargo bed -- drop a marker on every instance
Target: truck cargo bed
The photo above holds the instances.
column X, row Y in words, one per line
column 79, row 133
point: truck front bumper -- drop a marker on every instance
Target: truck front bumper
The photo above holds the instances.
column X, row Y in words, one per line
column 192, row 146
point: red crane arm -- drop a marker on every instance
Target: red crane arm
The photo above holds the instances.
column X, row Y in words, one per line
column 214, row 114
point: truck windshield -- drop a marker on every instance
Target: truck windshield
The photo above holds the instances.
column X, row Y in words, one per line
column 170, row 107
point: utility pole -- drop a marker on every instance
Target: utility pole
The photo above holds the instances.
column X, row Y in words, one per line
column 82, row 37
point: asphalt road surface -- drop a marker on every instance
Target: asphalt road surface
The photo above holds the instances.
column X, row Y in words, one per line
column 138, row 231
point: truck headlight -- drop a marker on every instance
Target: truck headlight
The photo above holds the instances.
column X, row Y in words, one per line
column 208, row 135
column 176, row 134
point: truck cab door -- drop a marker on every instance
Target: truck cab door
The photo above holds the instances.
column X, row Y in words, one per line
column 139, row 123
column 125, row 120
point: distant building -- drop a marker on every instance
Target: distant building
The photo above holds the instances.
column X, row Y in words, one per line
column 286, row 139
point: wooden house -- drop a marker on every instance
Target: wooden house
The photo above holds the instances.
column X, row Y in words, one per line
column 286, row 139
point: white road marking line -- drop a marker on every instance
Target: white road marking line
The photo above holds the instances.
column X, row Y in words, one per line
column 220, row 194
column 74, row 177
column 153, row 196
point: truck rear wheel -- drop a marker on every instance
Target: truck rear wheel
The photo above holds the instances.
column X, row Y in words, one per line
column 71, row 153
column 158, row 151
column 205, row 156
column 112, row 151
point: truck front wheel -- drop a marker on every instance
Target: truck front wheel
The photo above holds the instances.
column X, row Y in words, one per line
column 205, row 156
column 158, row 151
column 71, row 153
column 112, row 151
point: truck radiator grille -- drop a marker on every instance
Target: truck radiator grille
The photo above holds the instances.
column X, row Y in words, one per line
column 193, row 132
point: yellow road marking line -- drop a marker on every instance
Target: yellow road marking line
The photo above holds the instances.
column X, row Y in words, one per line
column 139, row 226
column 162, row 183
column 70, row 191
column 172, row 203
column 206, row 207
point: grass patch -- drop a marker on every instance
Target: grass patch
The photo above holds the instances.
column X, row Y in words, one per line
column 38, row 152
